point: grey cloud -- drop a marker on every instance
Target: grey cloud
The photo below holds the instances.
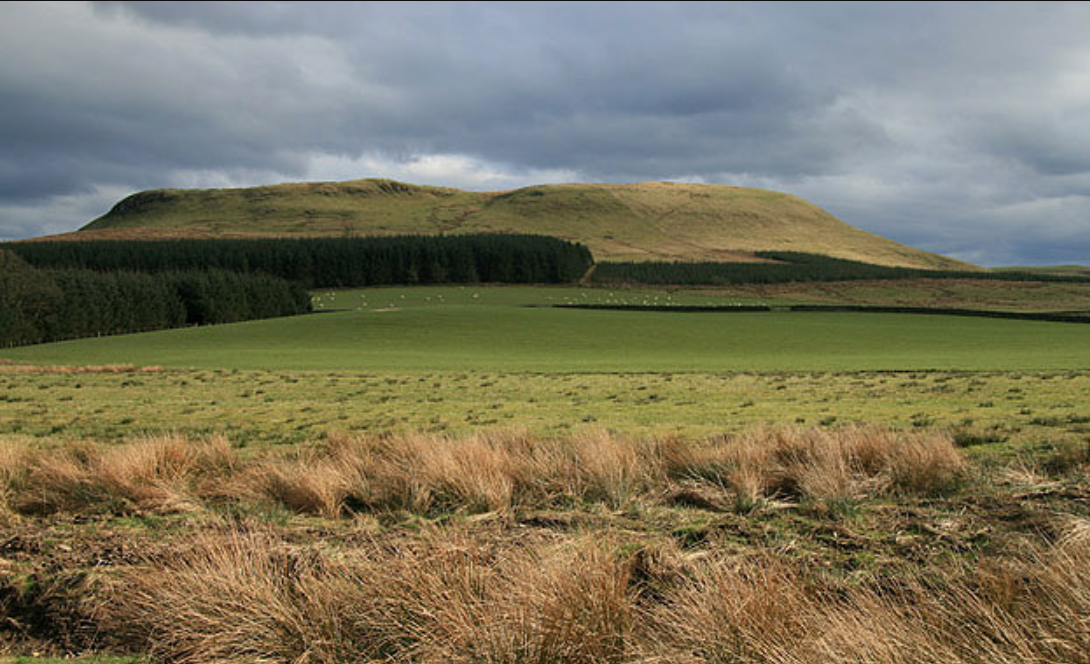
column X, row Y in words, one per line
column 218, row 17
column 589, row 99
column 1048, row 148
column 952, row 104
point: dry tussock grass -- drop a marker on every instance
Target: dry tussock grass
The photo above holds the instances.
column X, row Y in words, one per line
column 1030, row 610
column 446, row 598
column 505, row 471
column 160, row 474
column 483, row 472
column 13, row 464
column 452, row 597
column 822, row 464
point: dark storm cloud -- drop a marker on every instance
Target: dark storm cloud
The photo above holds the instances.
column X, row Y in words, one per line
column 948, row 126
column 522, row 86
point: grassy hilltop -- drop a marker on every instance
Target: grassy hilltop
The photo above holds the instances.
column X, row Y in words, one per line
column 651, row 220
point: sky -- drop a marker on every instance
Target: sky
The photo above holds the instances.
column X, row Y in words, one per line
column 962, row 129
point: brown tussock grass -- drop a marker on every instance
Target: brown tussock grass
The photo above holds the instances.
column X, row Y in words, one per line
column 1033, row 609
column 822, row 464
column 497, row 471
column 448, row 596
column 14, row 460
column 160, row 474
column 486, row 472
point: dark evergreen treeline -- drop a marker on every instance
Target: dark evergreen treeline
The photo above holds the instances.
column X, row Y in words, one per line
column 334, row 262
column 50, row 305
column 63, row 290
column 792, row 266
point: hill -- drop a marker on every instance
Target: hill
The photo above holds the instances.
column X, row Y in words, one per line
column 645, row 221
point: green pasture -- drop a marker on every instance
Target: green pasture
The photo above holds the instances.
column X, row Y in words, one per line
column 258, row 407
column 492, row 329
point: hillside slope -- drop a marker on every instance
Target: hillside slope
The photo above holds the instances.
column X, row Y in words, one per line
column 646, row 221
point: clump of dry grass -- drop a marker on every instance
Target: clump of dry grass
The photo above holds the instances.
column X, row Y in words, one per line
column 1029, row 610
column 505, row 471
column 234, row 596
column 319, row 486
column 552, row 604
column 727, row 612
column 1035, row 609
column 420, row 473
column 452, row 597
column 446, row 598
column 824, row 464
column 157, row 473
column 14, row 456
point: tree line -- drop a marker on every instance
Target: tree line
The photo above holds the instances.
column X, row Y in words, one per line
column 41, row 305
column 789, row 267
column 51, row 291
column 334, row 262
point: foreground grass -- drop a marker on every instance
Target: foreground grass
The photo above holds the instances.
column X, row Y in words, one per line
column 856, row 544
column 461, row 600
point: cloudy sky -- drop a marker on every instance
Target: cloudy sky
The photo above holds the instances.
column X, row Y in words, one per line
column 959, row 128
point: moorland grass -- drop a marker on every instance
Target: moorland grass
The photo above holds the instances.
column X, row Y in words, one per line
column 829, row 495
column 452, row 597
column 567, row 514
column 850, row 544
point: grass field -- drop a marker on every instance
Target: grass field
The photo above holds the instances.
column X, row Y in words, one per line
column 275, row 407
column 491, row 329
column 456, row 359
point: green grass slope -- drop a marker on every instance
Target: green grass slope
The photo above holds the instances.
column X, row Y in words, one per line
column 451, row 328
column 646, row 221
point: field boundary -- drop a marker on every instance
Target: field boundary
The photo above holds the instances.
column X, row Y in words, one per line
column 838, row 308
